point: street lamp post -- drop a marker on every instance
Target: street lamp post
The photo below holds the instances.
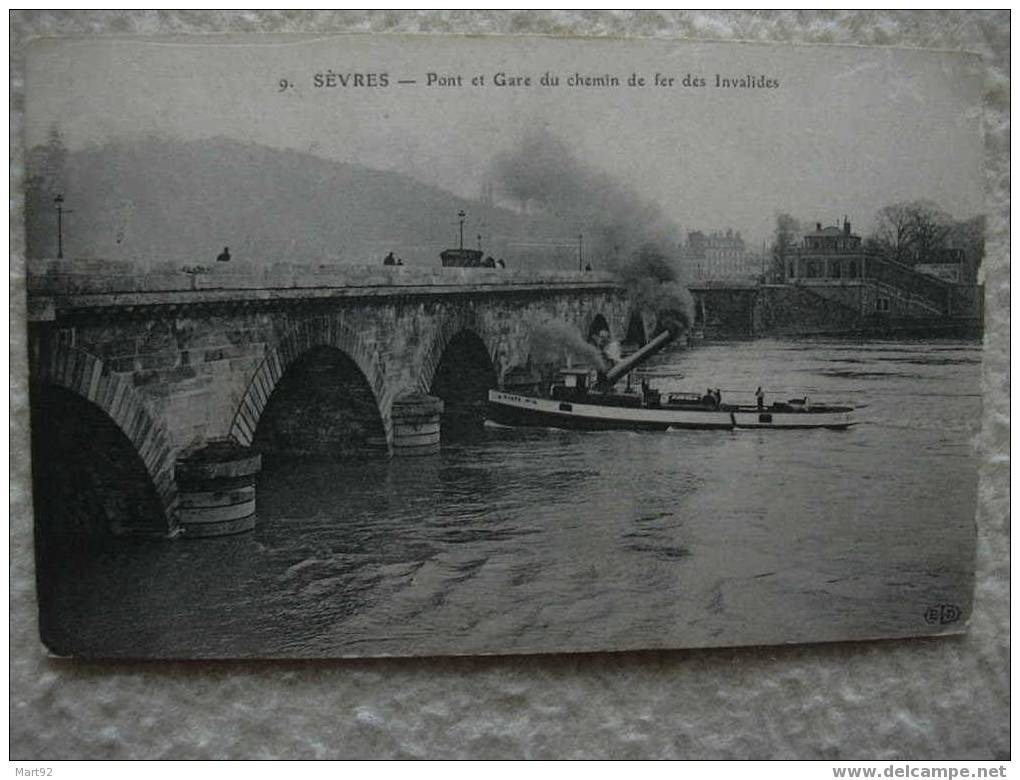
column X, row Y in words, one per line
column 59, row 200
column 461, row 214
column 580, row 251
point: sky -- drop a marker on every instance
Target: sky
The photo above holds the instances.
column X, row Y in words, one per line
column 846, row 131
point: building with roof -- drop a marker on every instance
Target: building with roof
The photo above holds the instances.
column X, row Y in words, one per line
column 832, row 252
column 830, row 283
column 719, row 255
column 834, row 264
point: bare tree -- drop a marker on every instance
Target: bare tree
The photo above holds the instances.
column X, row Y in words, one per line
column 930, row 227
column 911, row 232
column 892, row 232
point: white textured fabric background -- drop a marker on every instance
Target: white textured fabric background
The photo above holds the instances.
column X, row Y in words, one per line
column 933, row 698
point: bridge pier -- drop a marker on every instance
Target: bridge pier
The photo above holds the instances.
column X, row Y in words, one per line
column 416, row 424
column 216, row 490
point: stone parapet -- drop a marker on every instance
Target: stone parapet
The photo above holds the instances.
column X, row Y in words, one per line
column 48, row 278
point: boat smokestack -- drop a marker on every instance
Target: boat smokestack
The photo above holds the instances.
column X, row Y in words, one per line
column 628, row 364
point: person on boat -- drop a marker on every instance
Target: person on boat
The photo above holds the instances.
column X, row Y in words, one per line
column 718, row 398
column 224, row 256
column 500, row 263
column 759, row 396
column 708, row 398
column 389, row 260
column 490, row 262
column 400, row 261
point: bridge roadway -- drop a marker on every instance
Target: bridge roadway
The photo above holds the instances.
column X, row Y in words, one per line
column 337, row 360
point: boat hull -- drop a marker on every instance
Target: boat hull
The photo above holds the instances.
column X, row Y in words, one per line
column 837, row 419
column 523, row 410
column 529, row 411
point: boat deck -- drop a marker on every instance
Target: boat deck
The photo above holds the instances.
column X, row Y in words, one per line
column 591, row 411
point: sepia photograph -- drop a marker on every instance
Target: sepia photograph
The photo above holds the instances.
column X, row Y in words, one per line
column 397, row 345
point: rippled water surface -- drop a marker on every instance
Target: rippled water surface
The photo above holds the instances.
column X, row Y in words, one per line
column 530, row 540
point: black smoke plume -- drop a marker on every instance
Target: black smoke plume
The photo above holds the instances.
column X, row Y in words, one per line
column 554, row 341
column 623, row 232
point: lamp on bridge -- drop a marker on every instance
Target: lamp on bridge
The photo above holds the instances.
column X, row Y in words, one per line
column 59, row 200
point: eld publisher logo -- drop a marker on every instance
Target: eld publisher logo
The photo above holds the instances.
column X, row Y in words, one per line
column 941, row 614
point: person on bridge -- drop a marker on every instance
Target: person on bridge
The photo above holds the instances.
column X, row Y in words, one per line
column 759, row 396
column 224, row 256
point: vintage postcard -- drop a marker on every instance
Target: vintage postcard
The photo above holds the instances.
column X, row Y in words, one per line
column 395, row 345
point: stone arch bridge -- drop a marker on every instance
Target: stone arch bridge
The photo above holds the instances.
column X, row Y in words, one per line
column 136, row 379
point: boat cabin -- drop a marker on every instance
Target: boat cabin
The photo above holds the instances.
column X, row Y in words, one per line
column 572, row 383
column 579, row 379
column 582, row 385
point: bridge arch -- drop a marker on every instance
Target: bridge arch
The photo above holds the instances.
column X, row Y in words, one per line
column 309, row 335
column 450, row 328
column 637, row 328
column 596, row 325
column 460, row 367
column 700, row 310
column 113, row 399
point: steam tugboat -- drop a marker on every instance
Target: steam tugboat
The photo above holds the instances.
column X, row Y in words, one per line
column 585, row 398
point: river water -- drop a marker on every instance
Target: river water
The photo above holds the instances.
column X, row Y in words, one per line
column 541, row 540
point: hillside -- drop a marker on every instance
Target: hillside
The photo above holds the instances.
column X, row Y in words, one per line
column 153, row 202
